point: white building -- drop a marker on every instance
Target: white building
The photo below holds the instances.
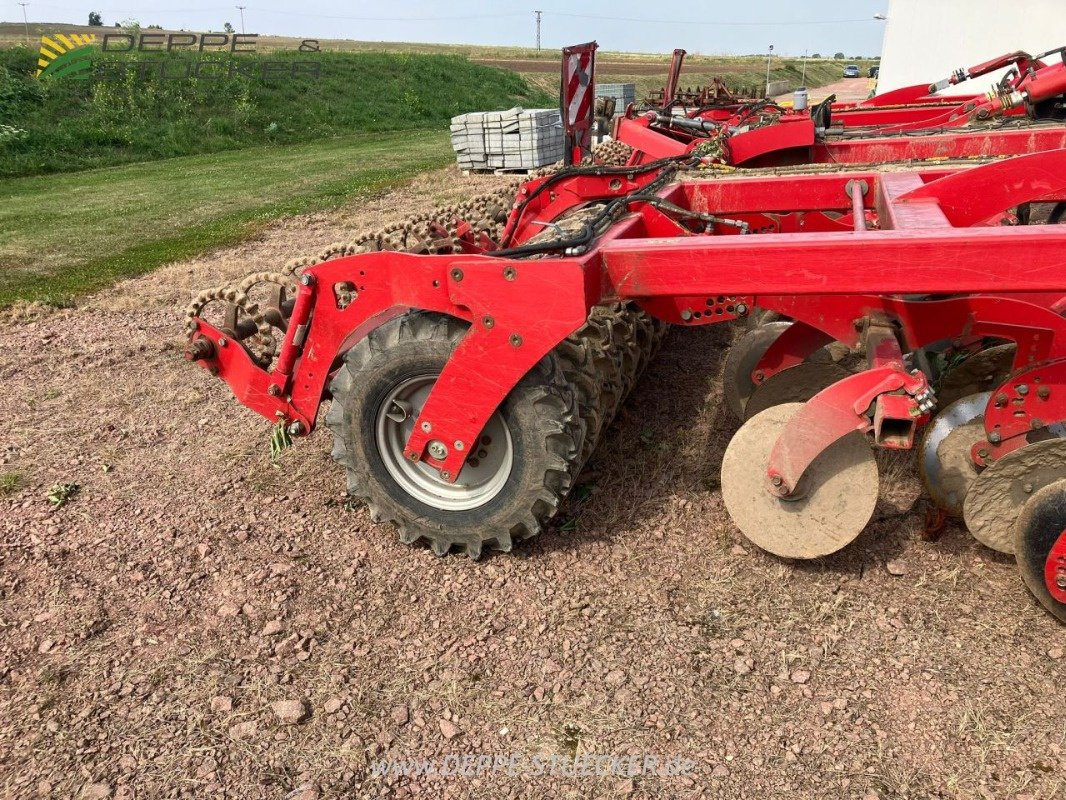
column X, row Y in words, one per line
column 927, row 40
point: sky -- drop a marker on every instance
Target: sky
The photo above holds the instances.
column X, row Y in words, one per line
column 707, row 27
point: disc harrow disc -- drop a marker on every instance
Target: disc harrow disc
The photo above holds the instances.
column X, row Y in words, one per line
column 741, row 359
column 944, row 462
column 982, row 372
column 833, row 502
column 997, row 496
column 1039, row 526
column 796, row 384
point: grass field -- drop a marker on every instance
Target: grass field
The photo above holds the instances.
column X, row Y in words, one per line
column 64, row 125
column 63, row 236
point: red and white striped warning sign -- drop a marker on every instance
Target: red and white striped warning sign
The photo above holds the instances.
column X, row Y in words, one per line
column 578, row 98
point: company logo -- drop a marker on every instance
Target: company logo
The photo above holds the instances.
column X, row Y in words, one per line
column 118, row 57
column 66, row 56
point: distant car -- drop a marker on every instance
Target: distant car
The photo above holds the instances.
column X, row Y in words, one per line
column 852, row 71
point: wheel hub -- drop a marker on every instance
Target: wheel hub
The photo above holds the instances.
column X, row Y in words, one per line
column 484, row 474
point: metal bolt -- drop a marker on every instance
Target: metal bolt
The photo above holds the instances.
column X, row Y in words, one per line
column 307, row 279
column 1023, row 389
column 426, row 427
column 1060, row 581
column 994, row 437
column 459, row 445
column 446, row 475
column 438, row 450
column 1044, row 392
column 686, row 315
column 742, row 310
column 413, row 455
column 983, row 452
column 222, row 341
column 1036, row 423
column 759, row 376
column 296, row 429
column 777, row 480
column 1001, row 400
column 457, row 275
column 516, row 340
column 274, row 390
column 510, row 273
column 488, row 321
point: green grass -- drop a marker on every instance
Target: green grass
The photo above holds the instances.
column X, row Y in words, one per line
column 61, row 236
column 64, row 125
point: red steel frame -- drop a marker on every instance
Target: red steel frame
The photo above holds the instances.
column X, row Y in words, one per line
column 932, row 232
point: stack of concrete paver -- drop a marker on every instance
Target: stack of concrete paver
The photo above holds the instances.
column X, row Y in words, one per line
column 623, row 94
column 519, row 139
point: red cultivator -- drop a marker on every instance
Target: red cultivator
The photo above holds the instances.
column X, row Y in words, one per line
column 472, row 375
column 1023, row 113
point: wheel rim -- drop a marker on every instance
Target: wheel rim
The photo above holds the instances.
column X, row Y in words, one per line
column 487, row 466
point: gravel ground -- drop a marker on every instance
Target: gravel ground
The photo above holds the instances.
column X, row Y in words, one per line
column 196, row 621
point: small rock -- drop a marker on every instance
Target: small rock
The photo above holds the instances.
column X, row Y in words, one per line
column 307, row 791
column 272, row 628
column 1055, row 653
column 743, row 666
column 46, row 646
column 290, row 712
column 721, row 771
column 95, row 791
column 242, row 730
column 615, row 677
column 896, row 568
column 400, row 715
column 221, row 704
column 333, row 705
column 448, row 729
column 737, row 550
column 228, row 610
column 800, row 676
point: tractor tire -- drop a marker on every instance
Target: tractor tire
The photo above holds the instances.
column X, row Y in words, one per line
column 513, row 481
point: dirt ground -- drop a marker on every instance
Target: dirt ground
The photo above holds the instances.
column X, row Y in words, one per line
column 196, row 621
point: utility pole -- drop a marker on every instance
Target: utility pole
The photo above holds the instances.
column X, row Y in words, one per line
column 769, row 55
column 241, row 9
column 25, row 23
column 538, row 13
column 803, row 78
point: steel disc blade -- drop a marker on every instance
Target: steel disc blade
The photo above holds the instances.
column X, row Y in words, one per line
column 741, row 359
column 997, row 496
column 944, row 455
column 982, row 372
column 796, row 384
column 835, row 497
column 1039, row 526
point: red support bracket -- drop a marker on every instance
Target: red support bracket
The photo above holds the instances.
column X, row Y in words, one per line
column 795, row 345
column 1055, row 569
column 831, row 414
column 1029, row 401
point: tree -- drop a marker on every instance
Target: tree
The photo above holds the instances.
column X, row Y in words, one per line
column 227, row 28
column 816, row 55
column 95, row 20
column 838, row 56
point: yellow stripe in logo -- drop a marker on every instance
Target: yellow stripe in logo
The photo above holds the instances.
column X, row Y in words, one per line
column 46, row 42
column 66, row 42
